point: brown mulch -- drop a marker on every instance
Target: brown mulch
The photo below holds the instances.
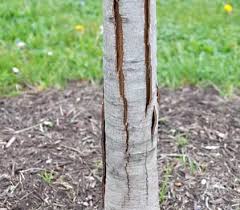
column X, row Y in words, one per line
column 50, row 156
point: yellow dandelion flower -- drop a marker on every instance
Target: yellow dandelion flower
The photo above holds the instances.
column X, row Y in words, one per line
column 228, row 8
column 79, row 28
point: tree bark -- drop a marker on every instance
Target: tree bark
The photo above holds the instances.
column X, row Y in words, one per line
column 130, row 115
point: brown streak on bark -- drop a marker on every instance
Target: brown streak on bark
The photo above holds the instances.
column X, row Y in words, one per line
column 103, row 142
column 148, row 52
column 121, row 77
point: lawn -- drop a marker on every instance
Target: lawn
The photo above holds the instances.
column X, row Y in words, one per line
column 46, row 43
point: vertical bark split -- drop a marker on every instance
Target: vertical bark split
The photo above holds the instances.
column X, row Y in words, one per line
column 121, row 78
column 146, row 174
column 103, row 154
column 154, row 122
column 148, row 73
column 148, row 64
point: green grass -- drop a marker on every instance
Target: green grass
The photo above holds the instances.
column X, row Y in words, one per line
column 198, row 43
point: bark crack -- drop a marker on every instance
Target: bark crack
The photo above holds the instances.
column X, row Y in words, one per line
column 148, row 64
column 121, row 78
column 154, row 122
column 146, row 173
column 103, row 154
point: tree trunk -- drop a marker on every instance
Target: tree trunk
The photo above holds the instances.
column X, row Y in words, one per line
column 130, row 106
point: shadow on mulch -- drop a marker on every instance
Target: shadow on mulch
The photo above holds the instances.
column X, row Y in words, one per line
column 50, row 155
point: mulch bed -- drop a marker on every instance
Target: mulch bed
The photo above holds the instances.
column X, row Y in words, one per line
column 50, row 155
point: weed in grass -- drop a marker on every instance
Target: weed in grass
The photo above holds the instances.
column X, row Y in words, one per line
column 181, row 141
column 165, row 183
column 98, row 164
column 189, row 163
column 47, row 176
column 228, row 8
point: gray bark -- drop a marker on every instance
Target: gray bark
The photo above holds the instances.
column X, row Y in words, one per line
column 130, row 106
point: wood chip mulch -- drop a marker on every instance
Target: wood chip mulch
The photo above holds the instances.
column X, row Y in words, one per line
column 50, row 155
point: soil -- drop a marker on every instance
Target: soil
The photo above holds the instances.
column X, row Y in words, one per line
column 50, row 153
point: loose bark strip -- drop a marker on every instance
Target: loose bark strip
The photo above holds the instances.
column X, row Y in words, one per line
column 148, row 64
column 121, row 77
